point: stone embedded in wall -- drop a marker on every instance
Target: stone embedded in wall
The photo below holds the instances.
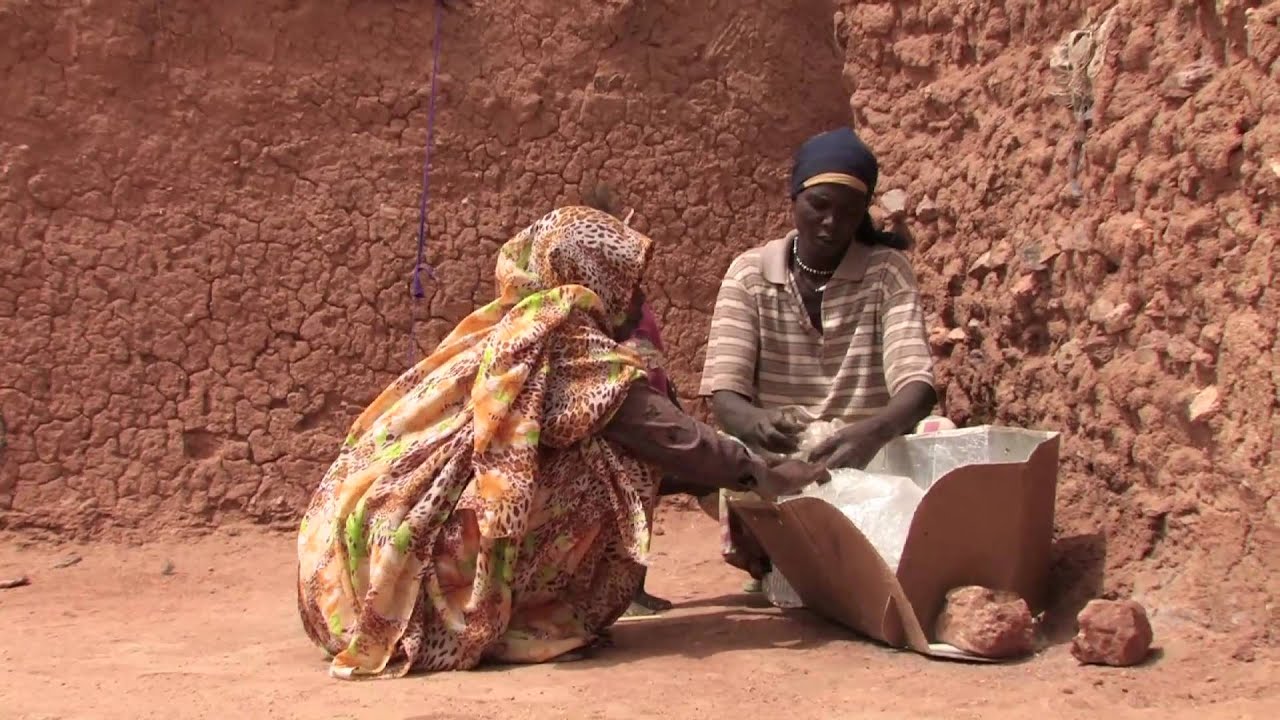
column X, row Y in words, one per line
column 894, row 203
column 873, row 18
column 1188, row 80
column 1036, row 256
column 927, row 210
column 1025, row 287
column 1204, row 405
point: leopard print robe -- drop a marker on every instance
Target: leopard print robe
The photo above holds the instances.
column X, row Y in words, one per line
column 473, row 512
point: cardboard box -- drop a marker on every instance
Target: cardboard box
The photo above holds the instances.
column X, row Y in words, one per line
column 986, row 519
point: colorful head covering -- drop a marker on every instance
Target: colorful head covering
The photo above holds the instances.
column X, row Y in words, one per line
column 838, row 156
column 534, row 368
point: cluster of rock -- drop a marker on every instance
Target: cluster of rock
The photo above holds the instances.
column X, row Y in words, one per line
column 998, row 624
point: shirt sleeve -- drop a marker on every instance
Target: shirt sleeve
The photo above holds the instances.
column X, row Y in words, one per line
column 734, row 342
column 654, row 431
column 907, row 356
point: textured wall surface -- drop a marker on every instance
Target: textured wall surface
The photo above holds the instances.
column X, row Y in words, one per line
column 1124, row 293
column 208, row 212
column 209, row 209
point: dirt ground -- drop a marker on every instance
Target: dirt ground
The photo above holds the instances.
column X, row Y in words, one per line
column 115, row 636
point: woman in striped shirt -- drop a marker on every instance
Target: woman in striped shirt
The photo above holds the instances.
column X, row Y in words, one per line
column 824, row 323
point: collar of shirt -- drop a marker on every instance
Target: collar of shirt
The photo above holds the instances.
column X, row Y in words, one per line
column 775, row 261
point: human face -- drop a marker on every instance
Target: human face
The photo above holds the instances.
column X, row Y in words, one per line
column 827, row 218
column 628, row 326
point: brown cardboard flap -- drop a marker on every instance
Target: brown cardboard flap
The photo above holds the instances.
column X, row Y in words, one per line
column 833, row 568
column 986, row 522
column 988, row 525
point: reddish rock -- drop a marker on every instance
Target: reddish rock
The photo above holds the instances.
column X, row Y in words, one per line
column 990, row 623
column 1025, row 287
column 894, row 203
column 1112, row 633
column 1204, row 405
column 1188, row 81
column 927, row 210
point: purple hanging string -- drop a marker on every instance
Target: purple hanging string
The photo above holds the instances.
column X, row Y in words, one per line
column 416, row 290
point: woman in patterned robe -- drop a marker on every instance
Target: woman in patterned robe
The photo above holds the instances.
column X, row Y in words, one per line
column 493, row 502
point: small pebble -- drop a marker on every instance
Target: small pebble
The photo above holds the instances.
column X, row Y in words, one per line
column 68, row 561
column 17, row 582
column 167, row 568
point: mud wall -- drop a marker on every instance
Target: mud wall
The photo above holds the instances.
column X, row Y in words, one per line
column 208, row 213
column 1097, row 239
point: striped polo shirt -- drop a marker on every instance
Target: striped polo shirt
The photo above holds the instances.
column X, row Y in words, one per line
column 873, row 343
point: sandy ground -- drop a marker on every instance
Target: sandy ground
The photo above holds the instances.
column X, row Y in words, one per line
column 114, row 636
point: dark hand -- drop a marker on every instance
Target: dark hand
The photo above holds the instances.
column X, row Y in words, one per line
column 777, row 430
column 852, row 446
column 790, row 477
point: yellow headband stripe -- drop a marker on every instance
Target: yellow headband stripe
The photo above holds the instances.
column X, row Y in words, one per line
column 835, row 179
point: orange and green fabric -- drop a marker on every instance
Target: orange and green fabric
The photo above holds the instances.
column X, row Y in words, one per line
column 473, row 512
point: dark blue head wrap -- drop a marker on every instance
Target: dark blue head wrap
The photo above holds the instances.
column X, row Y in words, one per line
column 839, row 156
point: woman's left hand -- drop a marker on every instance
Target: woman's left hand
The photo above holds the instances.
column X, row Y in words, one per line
column 852, row 446
column 790, row 477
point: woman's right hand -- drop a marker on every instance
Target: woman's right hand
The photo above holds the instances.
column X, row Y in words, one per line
column 790, row 477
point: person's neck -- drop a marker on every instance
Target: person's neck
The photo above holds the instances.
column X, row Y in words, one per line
column 823, row 263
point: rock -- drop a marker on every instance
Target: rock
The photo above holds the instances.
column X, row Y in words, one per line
column 1245, row 652
column 1118, row 320
column 1036, row 256
column 957, row 335
column 1099, row 310
column 981, row 265
column 17, row 582
column 927, row 210
column 1113, row 318
column 1146, row 356
column 1112, row 632
column 996, row 258
column 167, row 568
column 1067, row 356
column 1211, row 336
column 894, row 203
column 1204, row 405
column 938, row 338
column 67, row 561
column 1025, row 287
column 1180, row 349
column 1187, row 81
column 1100, row 349
column 985, row 622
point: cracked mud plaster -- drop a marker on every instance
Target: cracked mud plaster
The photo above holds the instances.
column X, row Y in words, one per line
column 208, row 215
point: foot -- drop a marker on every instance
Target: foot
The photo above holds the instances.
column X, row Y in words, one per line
column 753, row 586
column 650, row 602
column 588, row 651
column 574, row 656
